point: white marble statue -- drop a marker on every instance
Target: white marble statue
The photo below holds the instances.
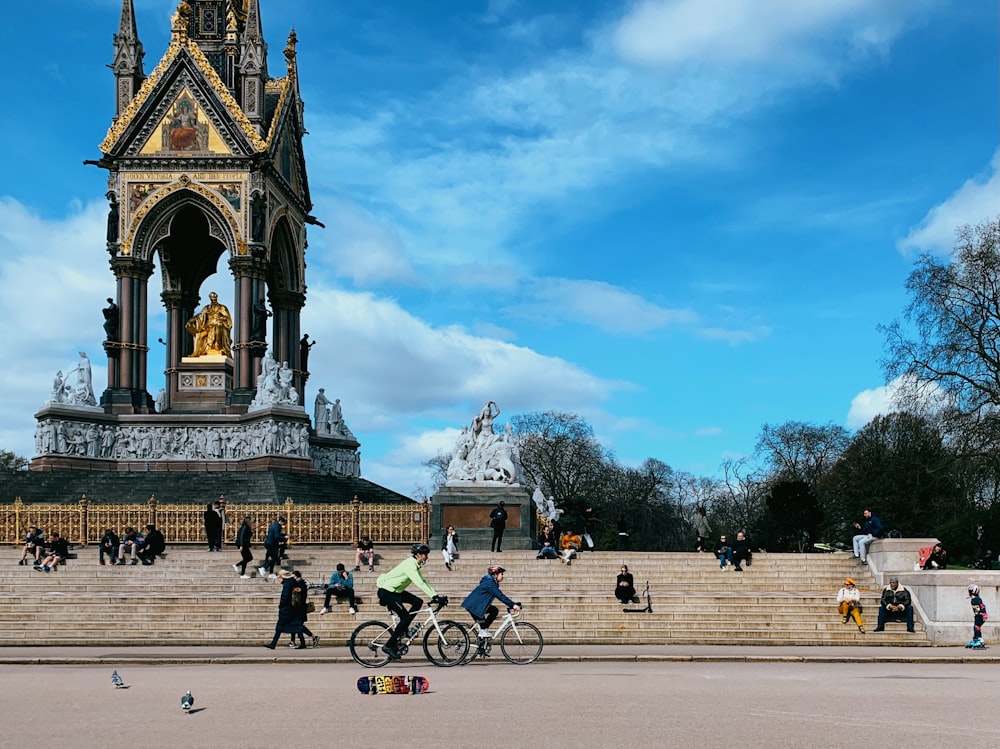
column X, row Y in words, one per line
column 321, row 412
column 274, row 386
column 482, row 455
column 161, row 400
column 539, row 499
column 551, row 511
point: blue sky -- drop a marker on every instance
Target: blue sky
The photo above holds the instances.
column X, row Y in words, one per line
column 679, row 219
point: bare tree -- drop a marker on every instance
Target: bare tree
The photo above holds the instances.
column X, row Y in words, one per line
column 955, row 312
column 559, row 453
column 796, row 451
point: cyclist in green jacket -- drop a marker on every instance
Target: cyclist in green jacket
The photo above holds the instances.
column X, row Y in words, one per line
column 393, row 595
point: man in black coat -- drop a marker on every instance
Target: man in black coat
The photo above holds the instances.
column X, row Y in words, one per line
column 895, row 602
column 498, row 522
column 153, row 544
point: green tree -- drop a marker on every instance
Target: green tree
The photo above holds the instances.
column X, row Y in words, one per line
column 900, row 466
column 11, row 462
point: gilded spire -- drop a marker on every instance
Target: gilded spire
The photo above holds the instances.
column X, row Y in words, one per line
column 127, row 62
column 179, row 22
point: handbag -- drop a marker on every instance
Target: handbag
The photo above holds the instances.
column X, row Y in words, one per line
column 310, row 607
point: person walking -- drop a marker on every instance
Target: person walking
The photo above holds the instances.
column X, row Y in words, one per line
column 849, row 604
column 300, row 604
column 449, row 546
column 272, row 545
column 244, row 535
column 287, row 614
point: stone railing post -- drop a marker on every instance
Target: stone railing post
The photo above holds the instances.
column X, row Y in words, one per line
column 84, row 523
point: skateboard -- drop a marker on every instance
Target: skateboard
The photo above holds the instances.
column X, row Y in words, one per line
column 393, row 685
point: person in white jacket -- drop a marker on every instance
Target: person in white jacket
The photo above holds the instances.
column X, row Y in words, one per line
column 849, row 604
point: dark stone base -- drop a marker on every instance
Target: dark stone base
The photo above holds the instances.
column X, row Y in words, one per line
column 68, row 486
column 468, row 509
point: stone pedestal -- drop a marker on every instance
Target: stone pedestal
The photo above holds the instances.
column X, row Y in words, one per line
column 468, row 508
column 203, row 384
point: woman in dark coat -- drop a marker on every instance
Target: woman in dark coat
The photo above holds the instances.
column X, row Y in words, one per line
column 625, row 586
column 289, row 616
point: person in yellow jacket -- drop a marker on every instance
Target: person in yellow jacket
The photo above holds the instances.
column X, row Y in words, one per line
column 393, row 593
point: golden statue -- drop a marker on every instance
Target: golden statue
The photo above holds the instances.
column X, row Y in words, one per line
column 210, row 329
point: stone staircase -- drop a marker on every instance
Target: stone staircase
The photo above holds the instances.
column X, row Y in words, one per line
column 192, row 597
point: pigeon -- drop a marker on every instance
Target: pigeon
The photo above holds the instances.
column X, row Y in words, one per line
column 116, row 680
column 187, row 700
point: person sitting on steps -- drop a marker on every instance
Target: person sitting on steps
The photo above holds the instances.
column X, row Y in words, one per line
column 625, row 586
column 365, row 553
column 741, row 552
column 57, row 551
column 569, row 545
column 341, row 585
column 849, row 604
column 154, row 545
column 896, row 602
column 34, row 545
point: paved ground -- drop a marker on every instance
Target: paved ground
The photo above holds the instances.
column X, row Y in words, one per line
column 581, row 702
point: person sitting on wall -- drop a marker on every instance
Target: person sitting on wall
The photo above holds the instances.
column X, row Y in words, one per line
column 937, row 559
column 896, row 602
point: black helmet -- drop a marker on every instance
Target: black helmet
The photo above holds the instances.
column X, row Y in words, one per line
column 495, row 569
column 420, row 549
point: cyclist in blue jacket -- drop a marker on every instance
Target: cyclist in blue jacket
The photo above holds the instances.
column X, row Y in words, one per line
column 479, row 603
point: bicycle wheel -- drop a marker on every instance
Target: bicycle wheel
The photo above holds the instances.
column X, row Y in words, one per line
column 447, row 647
column 366, row 643
column 522, row 643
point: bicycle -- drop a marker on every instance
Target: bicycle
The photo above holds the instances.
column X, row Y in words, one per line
column 445, row 643
column 521, row 643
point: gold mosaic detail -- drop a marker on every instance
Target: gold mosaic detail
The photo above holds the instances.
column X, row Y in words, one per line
column 174, row 49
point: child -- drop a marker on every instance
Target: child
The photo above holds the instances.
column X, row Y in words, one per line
column 479, row 603
column 979, row 616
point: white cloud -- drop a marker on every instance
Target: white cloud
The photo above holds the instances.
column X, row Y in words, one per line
column 868, row 404
column 975, row 201
column 388, row 364
column 52, row 304
column 770, row 33
column 601, row 305
column 884, row 400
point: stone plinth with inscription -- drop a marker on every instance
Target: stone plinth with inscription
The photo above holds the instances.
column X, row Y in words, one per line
column 202, row 384
column 468, row 509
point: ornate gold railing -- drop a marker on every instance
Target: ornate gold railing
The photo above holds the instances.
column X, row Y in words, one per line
column 85, row 522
